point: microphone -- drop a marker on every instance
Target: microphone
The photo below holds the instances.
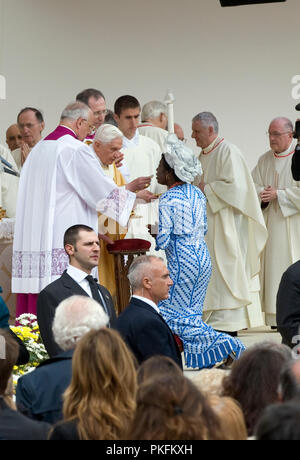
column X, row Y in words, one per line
column 9, row 171
column 9, row 168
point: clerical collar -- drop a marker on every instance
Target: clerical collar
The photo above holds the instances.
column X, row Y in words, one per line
column 70, row 129
column 148, row 301
column 215, row 143
column 59, row 132
column 289, row 151
column 147, row 123
column 134, row 142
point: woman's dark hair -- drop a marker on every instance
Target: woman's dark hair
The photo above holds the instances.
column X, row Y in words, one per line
column 156, row 367
column 279, row 422
column 170, row 407
column 254, row 378
column 169, row 169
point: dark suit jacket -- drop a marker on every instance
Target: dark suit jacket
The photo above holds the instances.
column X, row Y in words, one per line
column 146, row 332
column 296, row 164
column 39, row 393
column 15, row 426
column 50, row 297
column 288, row 305
column 65, row 431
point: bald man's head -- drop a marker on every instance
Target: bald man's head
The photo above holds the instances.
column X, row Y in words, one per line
column 13, row 137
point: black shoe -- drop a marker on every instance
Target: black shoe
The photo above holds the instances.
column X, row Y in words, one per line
column 232, row 333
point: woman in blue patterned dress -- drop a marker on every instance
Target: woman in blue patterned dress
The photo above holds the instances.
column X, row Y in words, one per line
column 181, row 229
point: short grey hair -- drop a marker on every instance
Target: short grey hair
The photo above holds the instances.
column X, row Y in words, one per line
column 207, row 119
column 287, row 124
column 107, row 133
column 75, row 110
column 74, row 317
column 138, row 269
column 152, row 110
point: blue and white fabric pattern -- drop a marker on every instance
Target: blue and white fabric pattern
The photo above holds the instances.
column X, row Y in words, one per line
column 182, row 226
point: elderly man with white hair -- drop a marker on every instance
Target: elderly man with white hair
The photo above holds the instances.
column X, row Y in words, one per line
column 181, row 231
column 236, row 230
column 279, row 195
column 108, row 141
column 154, row 117
column 39, row 393
column 62, row 184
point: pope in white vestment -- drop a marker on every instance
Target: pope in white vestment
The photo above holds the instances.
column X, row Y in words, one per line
column 282, row 217
column 61, row 185
column 9, row 185
column 142, row 156
column 236, row 238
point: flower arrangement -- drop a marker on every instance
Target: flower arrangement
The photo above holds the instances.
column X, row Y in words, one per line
column 28, row 331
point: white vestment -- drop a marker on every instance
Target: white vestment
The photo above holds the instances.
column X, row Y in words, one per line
column 236, row 238
column 142, row 156
column 9, row 185
column 282, row 217
column 17, row 155
column 61, row 184
column 155, row 133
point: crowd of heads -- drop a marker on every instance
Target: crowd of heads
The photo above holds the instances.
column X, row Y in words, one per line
column 110, row 397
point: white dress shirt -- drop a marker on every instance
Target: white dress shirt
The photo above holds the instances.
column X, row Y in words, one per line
column 80, row 277
column 148, row 301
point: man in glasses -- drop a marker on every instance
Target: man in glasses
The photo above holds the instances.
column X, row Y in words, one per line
column 31, row 125
column 95, row 100
column 279, row 195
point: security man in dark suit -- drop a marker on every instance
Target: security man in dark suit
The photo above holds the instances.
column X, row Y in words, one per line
column 288, row 306
column 296, row 156
column 140, row 324
column 81, row 243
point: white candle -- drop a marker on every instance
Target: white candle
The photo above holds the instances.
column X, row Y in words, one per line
column 169, row 101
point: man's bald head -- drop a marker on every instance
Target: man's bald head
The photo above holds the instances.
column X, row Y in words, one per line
column 280, row 134
column 13, row 137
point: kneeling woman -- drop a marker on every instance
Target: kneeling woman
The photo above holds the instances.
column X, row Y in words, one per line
column 181, row 229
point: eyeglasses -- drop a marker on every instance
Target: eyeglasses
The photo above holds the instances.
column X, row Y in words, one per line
column 91, row 127
column 276, row 134
column 27, row 125
column 100, row 112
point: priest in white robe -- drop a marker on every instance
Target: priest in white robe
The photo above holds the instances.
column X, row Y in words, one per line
column 236, row 233
column 61, row 185
column 13, row 137
column 31, row 125
column 154, row 123
column 9, row 185
column 279, row 195
column 142, row 156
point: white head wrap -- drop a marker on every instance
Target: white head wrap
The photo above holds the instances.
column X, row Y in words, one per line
column 182, row 160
